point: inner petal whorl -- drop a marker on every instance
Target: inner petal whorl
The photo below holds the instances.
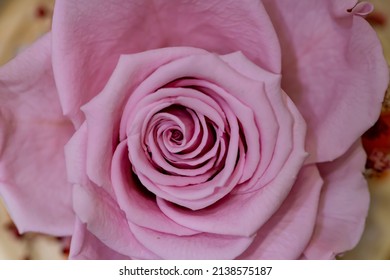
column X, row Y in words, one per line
column 175, row 136
column 181, row 142
column 191, row 151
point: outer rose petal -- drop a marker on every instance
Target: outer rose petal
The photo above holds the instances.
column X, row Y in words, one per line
column 102, row 216
column 85, row 246
column 140, row 209
column 288, row 231
column 330, row 70
column 89, row 37
column 200, row 246
column 343, row 206
column 32, row 137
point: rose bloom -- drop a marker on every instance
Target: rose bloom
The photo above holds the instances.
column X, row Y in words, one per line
column 193, row 129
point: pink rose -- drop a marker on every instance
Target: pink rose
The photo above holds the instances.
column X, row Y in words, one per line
column 193, row 129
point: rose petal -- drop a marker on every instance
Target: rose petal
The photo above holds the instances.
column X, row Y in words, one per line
column 138, row 207
column 289, row 230
column 343, row 207
column 85, row 246
column 103, row 218
column 334, row 75
column 202, row 246
column 362, row 8
column 275, row 140
column 32, row 138
column 89, row 37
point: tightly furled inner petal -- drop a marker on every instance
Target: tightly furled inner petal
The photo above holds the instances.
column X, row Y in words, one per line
column 209, row 137
column 177, row 140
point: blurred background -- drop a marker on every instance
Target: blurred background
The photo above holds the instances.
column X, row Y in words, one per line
column 23, row 21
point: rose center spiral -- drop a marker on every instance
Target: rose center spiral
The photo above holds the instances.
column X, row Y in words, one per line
column 176, row 136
